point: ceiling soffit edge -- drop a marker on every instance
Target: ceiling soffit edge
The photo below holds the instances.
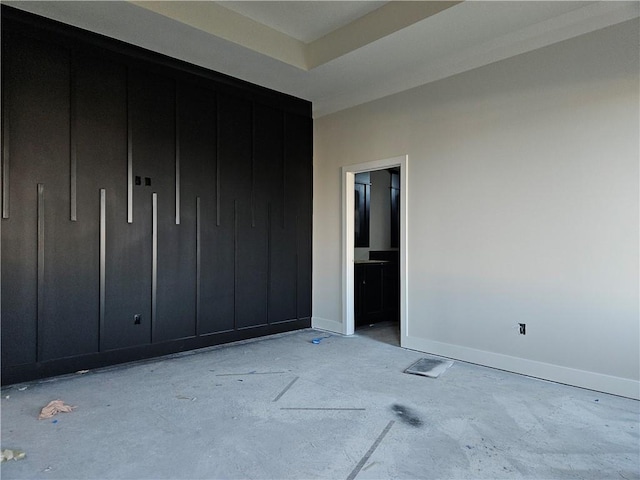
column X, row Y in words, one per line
column 224, row 23
column 388, row 19
column 215, row 19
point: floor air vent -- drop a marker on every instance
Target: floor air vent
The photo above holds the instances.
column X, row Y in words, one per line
column 429, row 367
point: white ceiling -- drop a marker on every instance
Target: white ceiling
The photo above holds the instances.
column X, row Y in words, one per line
column 339, row 54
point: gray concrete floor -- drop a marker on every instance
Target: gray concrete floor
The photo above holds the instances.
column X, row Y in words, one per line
column 283, row 407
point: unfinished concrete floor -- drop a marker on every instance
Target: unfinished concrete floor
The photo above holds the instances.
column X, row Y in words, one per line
column 284, row 407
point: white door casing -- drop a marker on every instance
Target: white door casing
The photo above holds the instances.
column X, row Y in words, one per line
column 348, row 223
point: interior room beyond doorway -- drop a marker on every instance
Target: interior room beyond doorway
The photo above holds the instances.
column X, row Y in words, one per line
column 376, row 254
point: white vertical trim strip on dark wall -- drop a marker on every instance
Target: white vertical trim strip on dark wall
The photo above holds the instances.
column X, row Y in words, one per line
column 218, row 193
column 129, row 153
column 269, row 241
column 103, row 264
column 177, row 152
column 284, row 166
column 253, row 165
column 154, row 265
column 235, row 264
column 198, row 262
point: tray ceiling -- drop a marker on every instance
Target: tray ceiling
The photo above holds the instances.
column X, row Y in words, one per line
column 339, row 54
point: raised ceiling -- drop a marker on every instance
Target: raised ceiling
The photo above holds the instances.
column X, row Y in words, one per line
column 304, row 21
column 339, row 54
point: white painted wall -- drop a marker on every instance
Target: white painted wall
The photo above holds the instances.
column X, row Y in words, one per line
column 523, row 207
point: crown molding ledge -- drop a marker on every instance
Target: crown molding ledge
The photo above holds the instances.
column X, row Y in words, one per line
column 563, row 27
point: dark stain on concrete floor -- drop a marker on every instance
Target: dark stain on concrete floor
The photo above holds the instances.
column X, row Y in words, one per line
column 406, row 415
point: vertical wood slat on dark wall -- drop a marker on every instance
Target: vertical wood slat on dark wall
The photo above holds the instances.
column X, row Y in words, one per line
column 172, row 269
column 283, row 280
column 196, row 119
column 234, row 130
column 70, row 301
column 69, row 322
column 251, row 222
column 300, row 131
column 129, row 255
column 268, row 142
column 39, row 79
column 102, row 147
column 195, row 250
column 19, row 229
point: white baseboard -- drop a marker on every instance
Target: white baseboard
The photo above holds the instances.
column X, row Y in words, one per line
column 570, row 376
column 328, row 325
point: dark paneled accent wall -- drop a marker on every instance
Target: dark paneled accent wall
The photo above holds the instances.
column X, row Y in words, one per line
column 148, row 206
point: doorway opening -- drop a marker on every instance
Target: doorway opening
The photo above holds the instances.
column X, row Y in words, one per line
column 374, row 249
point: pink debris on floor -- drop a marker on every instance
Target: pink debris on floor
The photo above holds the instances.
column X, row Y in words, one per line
column 53, row 408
